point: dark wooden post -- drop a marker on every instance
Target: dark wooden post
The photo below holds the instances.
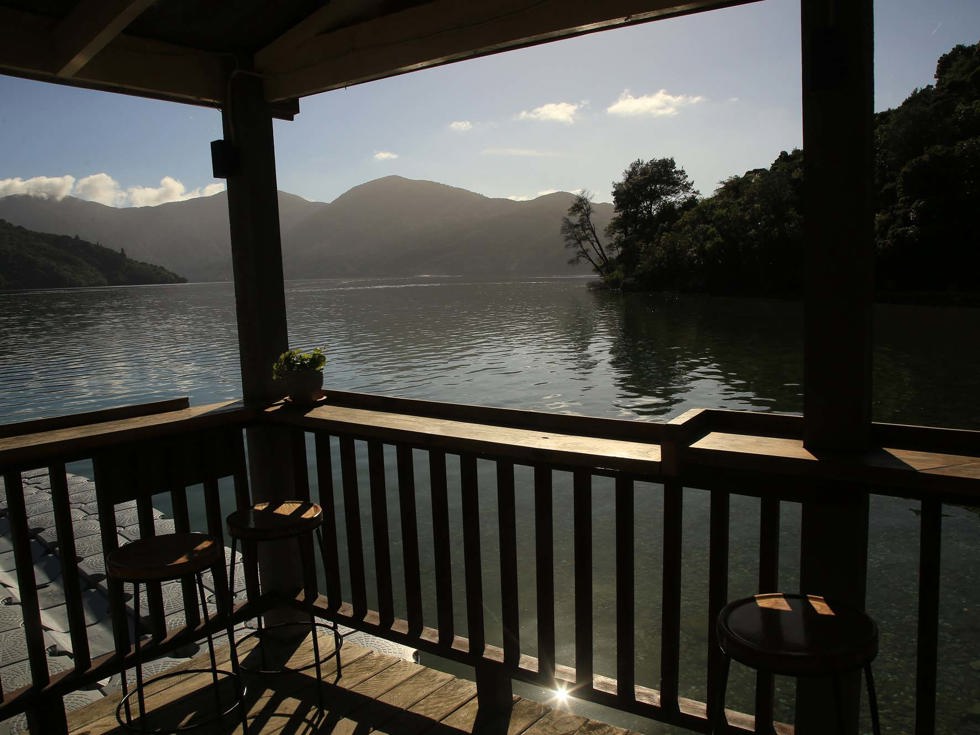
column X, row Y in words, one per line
column 253, row 213
column 838, row 89
column 495, row 696
column 260, row 303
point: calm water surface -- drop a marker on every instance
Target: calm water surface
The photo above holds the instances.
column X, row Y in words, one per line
column 554, row 345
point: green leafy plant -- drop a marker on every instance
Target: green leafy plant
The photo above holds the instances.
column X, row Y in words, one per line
column 297, row 361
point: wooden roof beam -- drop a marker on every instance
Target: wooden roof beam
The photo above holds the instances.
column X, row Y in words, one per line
column 88, row 28
column 125, row 64
column 440, row 32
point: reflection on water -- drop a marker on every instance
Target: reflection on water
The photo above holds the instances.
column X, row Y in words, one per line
column 554, row 345
column 549, row 345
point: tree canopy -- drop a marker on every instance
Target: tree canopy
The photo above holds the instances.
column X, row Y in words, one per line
column 747, row 237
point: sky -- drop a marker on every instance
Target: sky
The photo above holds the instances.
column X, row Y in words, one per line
column 719, row 92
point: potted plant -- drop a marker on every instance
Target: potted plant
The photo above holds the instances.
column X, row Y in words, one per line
column 300, row 374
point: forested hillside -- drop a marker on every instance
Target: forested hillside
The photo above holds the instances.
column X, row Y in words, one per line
column 31, row 259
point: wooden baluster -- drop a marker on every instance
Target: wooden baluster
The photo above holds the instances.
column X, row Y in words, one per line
column 47, row 717
column 69, row 565
column 625, row 585
column 301, row 474
column 107, row 481
column 768, row 582
column 671, row 597
column 352, row 519
column 410, row 539
column 301, row 491
column 545, row 557
column 927, row 639
column 382, row 544
column 472, row 559
column 331, row 555
column 584, row 644
column 509, row 598
column 142, row 474
column 441, row 545
column 182, row 524
column 243, row 495
column 717, row 586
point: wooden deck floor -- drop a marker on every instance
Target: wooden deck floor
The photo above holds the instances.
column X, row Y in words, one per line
column 373, row 693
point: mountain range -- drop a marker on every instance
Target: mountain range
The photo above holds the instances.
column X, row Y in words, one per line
column 387, row 227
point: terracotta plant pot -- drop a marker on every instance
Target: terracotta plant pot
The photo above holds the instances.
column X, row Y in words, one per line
column 304, row 387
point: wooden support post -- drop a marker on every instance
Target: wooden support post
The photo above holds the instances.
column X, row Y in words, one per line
column 495, row 695
column 260, row 303
column 838, row 89
column 253, row 214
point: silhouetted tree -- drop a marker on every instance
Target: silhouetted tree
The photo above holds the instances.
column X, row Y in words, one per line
column 580, row 236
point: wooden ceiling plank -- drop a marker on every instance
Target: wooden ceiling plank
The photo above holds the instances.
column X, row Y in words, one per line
column 330, row 16
column 447, row 30
column 24, row 43
column 138, row 66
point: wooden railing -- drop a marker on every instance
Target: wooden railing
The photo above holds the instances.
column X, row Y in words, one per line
column 165, row 448
column 371, row 459
column 442, row 520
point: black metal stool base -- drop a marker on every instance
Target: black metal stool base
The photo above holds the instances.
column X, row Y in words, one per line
column 139, row 725
column 338, row 641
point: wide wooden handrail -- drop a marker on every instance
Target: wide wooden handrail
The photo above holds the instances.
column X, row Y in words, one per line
column 535, row 445
column 73, row 441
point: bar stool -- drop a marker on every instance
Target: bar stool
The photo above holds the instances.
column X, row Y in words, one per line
column 797, row 635
column 291, row 519
column 160, row 559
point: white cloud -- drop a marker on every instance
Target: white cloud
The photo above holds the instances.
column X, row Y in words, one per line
column 170, row 190
column 42, row 187
column 461, row 126
column 542, row 193
column 525, row 152
column 104, row 189
column 385, row 156
column 101, row 188
column 563, row 112
column 660, row 104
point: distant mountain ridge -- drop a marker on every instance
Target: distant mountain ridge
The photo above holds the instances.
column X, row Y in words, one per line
column 31, row 259
column 387, row 227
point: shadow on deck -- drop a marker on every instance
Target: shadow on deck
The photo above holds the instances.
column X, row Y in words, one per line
column 373, row 692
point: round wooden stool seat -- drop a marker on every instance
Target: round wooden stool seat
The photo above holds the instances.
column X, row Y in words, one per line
column 272, row 521
column 162, row 558
column 797, row 635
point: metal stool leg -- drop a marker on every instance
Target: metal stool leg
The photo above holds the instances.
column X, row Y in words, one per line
column 872, row 700
column 122, row 674
column 316, row 645
column 207, row 627
column 338, row 640
column 227, row 609
column 139, row 660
